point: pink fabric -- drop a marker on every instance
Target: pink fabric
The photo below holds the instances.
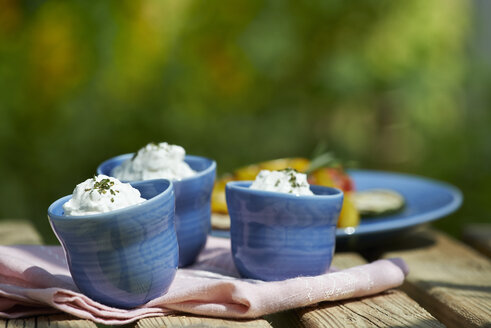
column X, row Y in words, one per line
column 35, row 280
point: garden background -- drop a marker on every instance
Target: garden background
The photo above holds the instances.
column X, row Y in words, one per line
column 389, row 85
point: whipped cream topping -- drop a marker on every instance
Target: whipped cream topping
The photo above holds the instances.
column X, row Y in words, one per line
column 101, row 194
column 286, row 181
column 155, row 161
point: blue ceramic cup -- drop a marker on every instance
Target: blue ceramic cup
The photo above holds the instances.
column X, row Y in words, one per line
column 276, row 236
column 193, row 204
column 126, row 257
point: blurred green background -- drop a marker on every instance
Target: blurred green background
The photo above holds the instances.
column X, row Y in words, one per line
column 393, row 85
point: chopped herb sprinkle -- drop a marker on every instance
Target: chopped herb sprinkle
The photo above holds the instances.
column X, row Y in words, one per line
column 286, row 180
column 293, row 179
column 103, row 187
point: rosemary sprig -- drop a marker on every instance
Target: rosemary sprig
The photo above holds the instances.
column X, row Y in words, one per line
column 323, row 160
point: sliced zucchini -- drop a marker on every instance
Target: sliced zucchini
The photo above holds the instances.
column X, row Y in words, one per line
column 377, row 201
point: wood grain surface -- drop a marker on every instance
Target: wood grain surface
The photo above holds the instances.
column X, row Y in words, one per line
column 390, row 309
column 449, row 279
column 479, row 237
column 175, row 321
column 16, row 232
column 51, row 321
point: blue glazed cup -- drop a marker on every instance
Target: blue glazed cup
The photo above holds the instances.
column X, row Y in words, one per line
column 126, row 257
column 193, row 204
column 276, row 236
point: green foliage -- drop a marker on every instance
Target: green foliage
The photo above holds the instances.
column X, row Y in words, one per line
column 382, row 82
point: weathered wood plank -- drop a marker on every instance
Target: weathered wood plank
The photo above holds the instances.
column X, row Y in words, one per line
column 390, row 309
column 63, row 320
column 347, row 260
column 449, row 279
column 479, row 237
column 14, row 232
column 18, row 323
column 175, row 321
column 52, row 321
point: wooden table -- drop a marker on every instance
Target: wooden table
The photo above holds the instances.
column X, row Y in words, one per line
column 449, row 285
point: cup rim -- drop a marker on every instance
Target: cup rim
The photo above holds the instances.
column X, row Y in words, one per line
column 198, row 174
column 244, row 185
column 104, row 215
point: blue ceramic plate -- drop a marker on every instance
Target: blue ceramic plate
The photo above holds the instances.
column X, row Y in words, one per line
column 426, row 200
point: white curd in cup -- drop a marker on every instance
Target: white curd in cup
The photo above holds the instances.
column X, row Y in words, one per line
column 101, row 194
column 285, row 181
column 155, row 161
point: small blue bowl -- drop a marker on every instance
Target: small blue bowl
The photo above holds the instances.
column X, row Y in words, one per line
column 193, row 204
column 276, row 236
column 123, row 258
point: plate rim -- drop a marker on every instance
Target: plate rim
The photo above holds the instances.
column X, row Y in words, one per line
column 421, row 218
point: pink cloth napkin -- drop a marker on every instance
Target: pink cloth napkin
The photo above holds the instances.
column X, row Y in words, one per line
column 36, row 280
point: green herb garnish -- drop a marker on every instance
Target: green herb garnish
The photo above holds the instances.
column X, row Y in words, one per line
column 103, row 187
column 293, row 179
